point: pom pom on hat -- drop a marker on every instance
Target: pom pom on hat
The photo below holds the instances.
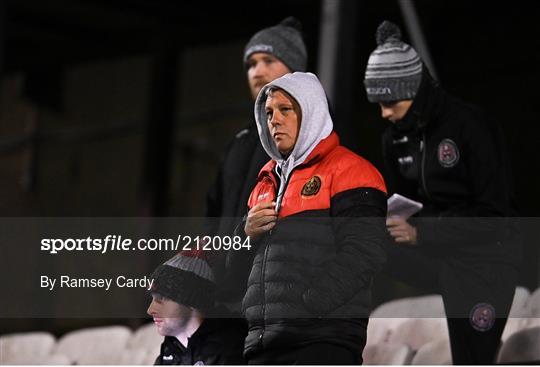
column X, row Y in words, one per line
column 292, row 22
column 387, row 32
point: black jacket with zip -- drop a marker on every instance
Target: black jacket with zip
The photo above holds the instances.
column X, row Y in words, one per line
column 227, row 198
column 226, row 203
column 218, row 341
column 449, row 156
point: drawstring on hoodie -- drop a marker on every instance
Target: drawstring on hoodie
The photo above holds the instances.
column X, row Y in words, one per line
column 283, row 172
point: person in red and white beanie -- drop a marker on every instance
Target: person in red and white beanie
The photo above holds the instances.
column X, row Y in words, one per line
column 183, row 311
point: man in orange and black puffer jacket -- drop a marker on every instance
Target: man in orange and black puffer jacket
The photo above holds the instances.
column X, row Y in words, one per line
column 316, row 218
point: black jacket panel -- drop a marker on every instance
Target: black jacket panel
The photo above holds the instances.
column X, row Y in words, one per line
column 227, row 202
column 237, row 176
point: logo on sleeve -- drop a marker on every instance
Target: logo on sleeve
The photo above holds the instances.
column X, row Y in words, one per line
column 312, row 187
column 448, row 153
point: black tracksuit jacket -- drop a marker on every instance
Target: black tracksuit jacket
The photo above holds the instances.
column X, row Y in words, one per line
column 216, row 342
column 226, row 203
column 450, row 157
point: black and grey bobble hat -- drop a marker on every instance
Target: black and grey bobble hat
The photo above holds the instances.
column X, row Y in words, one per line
column 186, row 279
column 394, row 69
column 284, row 41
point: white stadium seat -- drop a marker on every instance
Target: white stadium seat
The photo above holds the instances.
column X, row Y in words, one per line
column 100, row 345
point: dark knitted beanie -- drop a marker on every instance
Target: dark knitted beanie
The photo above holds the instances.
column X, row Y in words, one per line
column 284, row 41
column 186, row 279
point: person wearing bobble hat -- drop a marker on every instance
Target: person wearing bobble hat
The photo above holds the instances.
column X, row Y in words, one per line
column 316, row 219
column 447, row 155
column 182, row 307
column 270, row 53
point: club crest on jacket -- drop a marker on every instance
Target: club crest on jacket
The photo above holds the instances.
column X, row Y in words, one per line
column 312, row 187
column 448, row 153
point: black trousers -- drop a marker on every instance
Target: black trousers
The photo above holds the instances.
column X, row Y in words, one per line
column 313, row 354
column 477, row 297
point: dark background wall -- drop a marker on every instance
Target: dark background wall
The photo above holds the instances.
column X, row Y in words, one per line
column 123, row 108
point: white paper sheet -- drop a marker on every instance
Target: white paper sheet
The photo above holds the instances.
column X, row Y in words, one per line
column 400, row 206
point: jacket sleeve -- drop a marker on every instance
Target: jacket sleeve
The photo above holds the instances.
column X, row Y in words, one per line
column 358, row 217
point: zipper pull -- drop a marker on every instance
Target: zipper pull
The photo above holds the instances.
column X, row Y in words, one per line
column 421, row 145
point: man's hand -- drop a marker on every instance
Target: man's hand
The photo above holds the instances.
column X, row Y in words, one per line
column 260, row 219
column 401, row 231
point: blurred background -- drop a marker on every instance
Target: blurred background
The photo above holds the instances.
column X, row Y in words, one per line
column 123, row 108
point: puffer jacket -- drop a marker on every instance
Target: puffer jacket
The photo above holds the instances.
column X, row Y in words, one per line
column 311, row 275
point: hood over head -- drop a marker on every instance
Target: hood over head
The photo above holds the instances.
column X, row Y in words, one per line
column 315, row 126
column 316, row 122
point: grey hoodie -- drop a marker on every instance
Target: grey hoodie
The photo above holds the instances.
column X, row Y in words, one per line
column 315, row 126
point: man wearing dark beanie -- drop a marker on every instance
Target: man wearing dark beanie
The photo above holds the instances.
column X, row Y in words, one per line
column 282, row 45
column 446, row 155
column 182, row 307
column 269, row 54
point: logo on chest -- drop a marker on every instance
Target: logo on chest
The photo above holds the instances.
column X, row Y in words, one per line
column 312, row 187
column 448, row 153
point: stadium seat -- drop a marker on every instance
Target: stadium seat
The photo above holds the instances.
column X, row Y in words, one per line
column 98, row 346
column 31, row 360
column 436, row 352
column 524, row 314
column 386, row 318
column 143, row 347
column 519, row 303
column 533, row 304
column 419, row 331
column 137, row 357
column 521, row 347
column 146, row 337
column 23, row 348
column 387, row 354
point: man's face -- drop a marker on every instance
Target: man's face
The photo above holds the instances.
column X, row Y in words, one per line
column 283, row 116
column 262, row 69
column 170, row 317
column 395, row 111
